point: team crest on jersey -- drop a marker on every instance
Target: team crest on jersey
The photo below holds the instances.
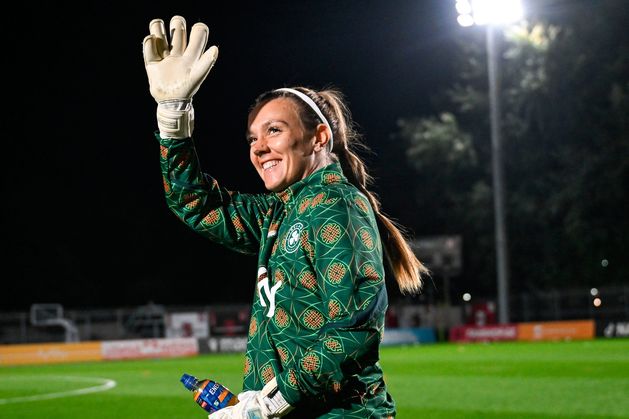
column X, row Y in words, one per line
column 292, row 237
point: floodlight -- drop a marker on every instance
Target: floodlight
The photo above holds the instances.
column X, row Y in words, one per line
column 488, row 12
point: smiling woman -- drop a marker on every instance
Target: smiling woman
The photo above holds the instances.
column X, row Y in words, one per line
column 320, row 299
column 280, row 151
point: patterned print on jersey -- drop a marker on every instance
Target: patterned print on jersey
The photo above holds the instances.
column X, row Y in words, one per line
column 211, row 219
column 336, row 273
column 308, row 279
column 281, row 318
column 267, row 373
column 248, row 366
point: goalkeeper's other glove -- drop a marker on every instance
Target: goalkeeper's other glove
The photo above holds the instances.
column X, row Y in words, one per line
column 175, row 72
column 263, row 404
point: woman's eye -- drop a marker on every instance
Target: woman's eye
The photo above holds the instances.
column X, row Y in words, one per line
column 273, row 130
column 251, row 140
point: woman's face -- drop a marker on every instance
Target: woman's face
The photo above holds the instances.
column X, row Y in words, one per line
column 280, row 149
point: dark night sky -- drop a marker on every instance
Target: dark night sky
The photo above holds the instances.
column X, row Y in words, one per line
column 84, row 218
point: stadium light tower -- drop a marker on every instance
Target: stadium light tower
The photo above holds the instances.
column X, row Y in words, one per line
column 492, row 14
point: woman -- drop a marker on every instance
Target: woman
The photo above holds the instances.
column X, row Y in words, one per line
column 320, row 298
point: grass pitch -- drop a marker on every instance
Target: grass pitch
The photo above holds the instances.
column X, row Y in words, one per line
column 579, row 379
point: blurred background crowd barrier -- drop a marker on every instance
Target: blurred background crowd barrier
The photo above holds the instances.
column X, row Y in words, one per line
column 49, row 322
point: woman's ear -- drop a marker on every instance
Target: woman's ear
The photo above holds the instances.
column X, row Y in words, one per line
column 322, row 137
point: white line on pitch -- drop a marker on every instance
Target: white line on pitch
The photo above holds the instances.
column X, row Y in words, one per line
column 105, row 384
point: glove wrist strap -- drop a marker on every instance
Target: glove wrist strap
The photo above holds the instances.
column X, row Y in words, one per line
column 175, row 119
column 274, row 400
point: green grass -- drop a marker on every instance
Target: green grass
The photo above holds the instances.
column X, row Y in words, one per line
column 579, row 379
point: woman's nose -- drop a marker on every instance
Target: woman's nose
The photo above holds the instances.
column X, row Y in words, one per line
column 259, row 146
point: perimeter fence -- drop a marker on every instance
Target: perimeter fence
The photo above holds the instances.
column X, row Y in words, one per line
column 609, row 307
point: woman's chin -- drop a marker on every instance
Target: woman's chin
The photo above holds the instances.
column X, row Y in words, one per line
column 275, row 185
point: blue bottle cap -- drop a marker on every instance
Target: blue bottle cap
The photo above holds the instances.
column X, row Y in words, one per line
column 189, row 381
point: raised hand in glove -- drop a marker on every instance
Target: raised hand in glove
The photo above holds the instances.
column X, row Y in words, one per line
column 263, row 404
column 175, row 72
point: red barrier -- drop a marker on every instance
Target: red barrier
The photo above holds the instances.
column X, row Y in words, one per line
column 502, row 332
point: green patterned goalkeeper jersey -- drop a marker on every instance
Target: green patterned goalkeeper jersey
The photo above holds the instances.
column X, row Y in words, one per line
column 319, row 297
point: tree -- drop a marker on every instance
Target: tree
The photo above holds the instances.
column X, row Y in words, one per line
column 565, row 126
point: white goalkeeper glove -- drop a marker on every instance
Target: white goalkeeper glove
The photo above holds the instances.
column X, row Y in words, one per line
column 176, row 71
column 263, row 404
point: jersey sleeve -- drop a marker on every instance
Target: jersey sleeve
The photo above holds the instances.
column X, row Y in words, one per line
column 347, row 259
column 226, row 217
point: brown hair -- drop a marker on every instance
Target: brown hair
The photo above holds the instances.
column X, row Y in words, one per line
column 406, row 268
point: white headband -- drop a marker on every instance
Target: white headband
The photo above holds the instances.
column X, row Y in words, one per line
column 313, row 106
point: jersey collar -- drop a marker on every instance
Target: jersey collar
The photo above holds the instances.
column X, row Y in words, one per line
column 327, row 175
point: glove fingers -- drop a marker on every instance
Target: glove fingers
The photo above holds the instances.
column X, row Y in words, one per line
column 205, row 63
column 149, row 50
column 160, row 44
column 177, row 35
column 198, row 40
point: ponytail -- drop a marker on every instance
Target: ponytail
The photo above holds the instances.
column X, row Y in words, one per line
column 406, row 267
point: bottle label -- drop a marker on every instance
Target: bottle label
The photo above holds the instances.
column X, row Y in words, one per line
column 213, row 396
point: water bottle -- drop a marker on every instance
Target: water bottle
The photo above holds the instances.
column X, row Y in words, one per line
column 209, row 394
